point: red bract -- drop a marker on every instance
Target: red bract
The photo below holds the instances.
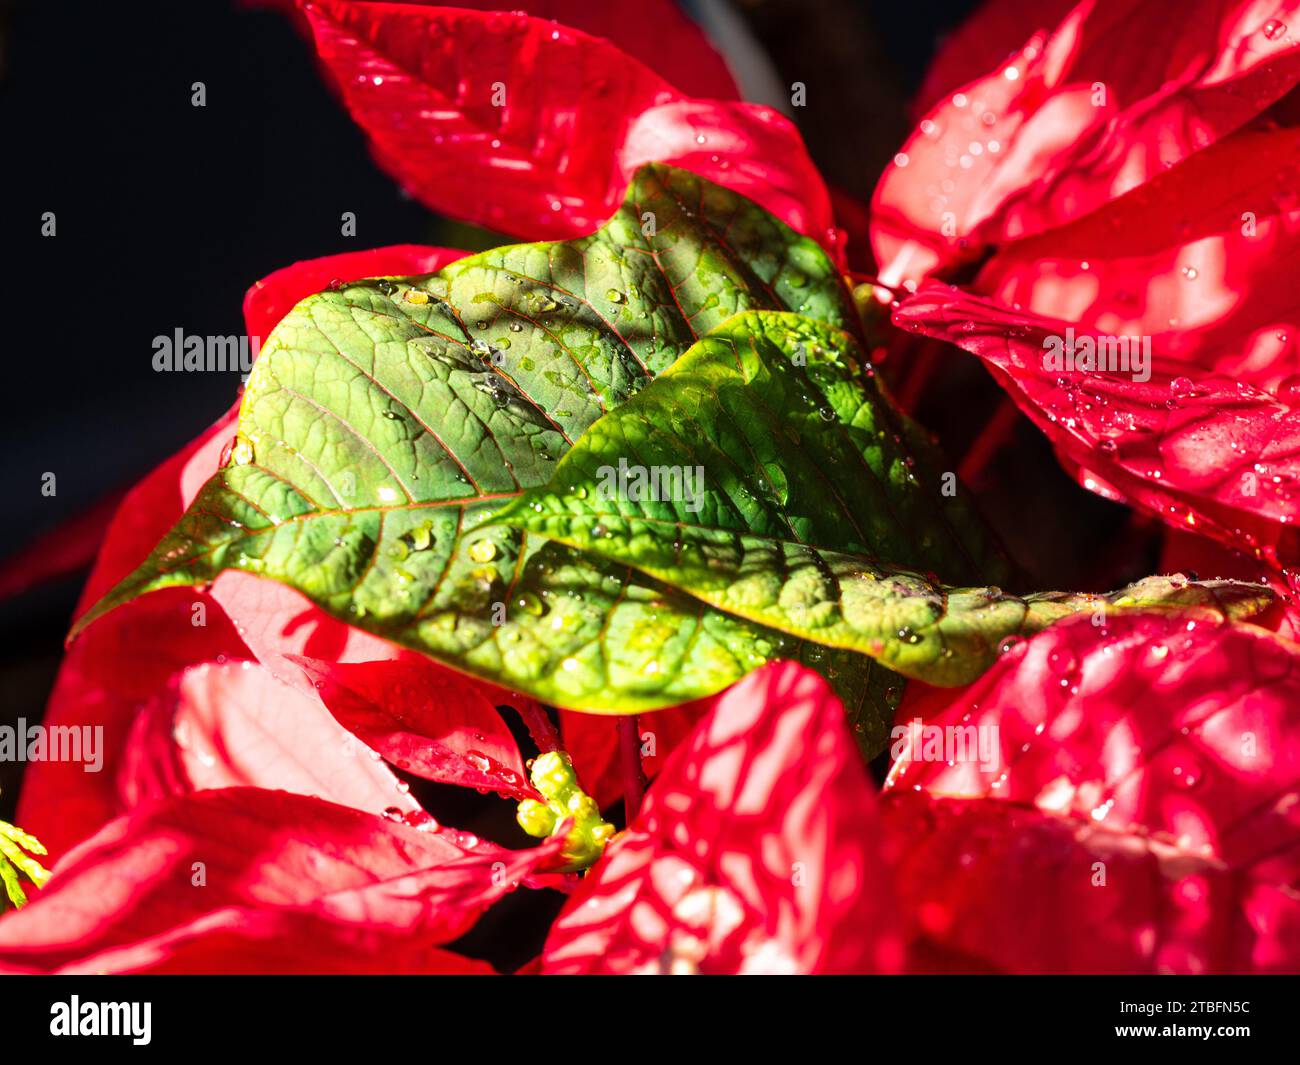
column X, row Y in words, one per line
column 115, row 671
column 756, row 850
column 534, row 129
column 427, row 721
column 1145, row 200
column 419, row 715
column 1198, row 259
column 1116, row 794
column 1133, row 809
column 244, row 880
column 1207, row 451
column 61, row 552
column 111, row 673
column 692, row 63
column 995, row 31
column 592, row 741
column 222, row 726
column 1119, row 92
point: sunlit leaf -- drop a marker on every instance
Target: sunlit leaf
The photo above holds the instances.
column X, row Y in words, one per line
column 763, row 474
column 385, row 420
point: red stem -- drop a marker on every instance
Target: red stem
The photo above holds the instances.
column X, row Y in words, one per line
column 629, row 741
column 996, row 432
column 539, row 726
column 915, row 376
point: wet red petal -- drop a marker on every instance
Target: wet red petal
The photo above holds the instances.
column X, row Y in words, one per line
column 1200, row 259
column 424, row 719
column 235, row 725
column 755, row 851
column 1205, row 452
column 593, row 744
column 1115, row 95
column 1133, row 808
column 534, row 129
column 242, row 879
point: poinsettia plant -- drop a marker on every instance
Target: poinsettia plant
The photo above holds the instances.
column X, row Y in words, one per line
column 624, row 529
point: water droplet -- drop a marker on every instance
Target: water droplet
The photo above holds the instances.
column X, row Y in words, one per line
column 531, row 604
column 1099, row 813
column 1289, row 390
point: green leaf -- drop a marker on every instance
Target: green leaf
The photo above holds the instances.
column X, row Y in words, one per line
column 794, row 441
column 384, row 421
column 764, row 474
column 388, row 422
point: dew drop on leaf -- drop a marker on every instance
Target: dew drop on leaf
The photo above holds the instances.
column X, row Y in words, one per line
column 531, row 604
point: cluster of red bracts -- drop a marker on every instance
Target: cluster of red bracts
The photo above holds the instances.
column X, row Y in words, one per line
column 1124, row 171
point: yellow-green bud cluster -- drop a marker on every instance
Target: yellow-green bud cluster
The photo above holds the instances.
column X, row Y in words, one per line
column 553, row 777
column 13, row 861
